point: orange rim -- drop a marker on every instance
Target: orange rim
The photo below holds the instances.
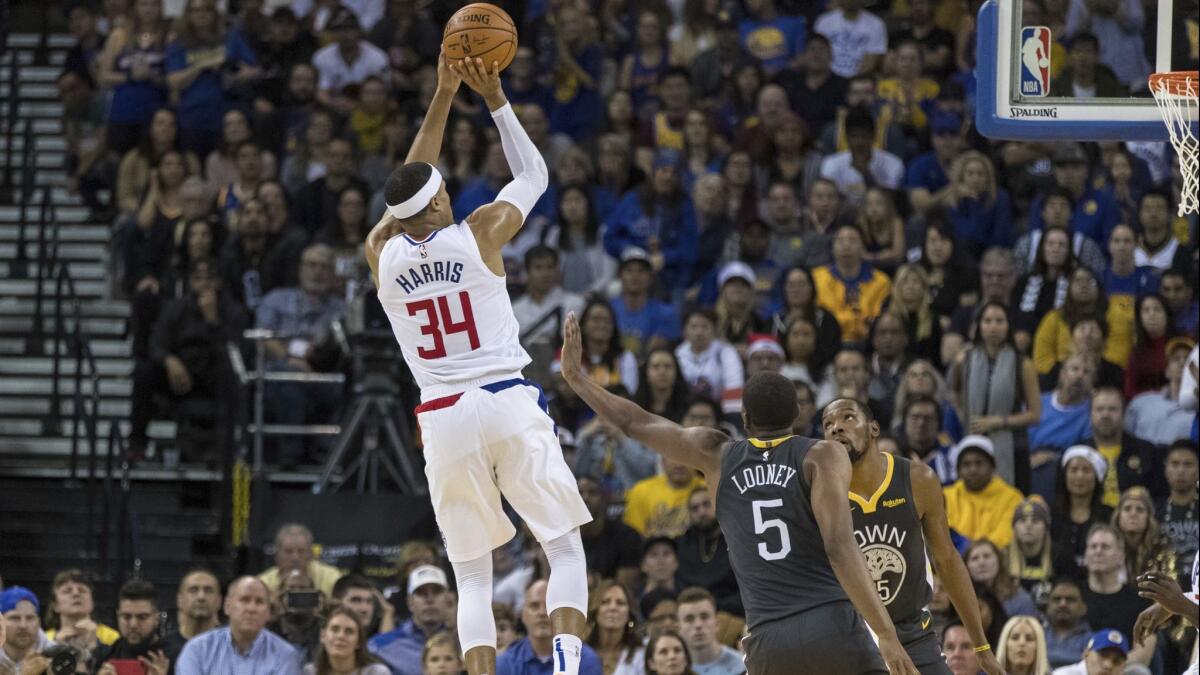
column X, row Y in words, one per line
column 1175, row 83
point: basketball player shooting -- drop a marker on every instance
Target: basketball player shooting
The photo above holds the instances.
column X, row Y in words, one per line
column 485, row 428
column 899, row 515
column 781, row 504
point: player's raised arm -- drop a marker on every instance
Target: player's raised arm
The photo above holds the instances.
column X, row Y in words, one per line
column 931, row 505
column 496, row 223
column 827, row 469
column 428, row 144
column 697, row 447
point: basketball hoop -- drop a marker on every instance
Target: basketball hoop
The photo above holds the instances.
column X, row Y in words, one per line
column 1175, row 93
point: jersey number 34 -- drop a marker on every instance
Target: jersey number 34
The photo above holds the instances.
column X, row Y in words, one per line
column 439, row 323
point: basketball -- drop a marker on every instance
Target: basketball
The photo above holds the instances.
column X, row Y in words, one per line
column 481, row 30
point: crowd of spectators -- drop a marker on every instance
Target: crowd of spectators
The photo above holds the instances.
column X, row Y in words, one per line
column 736, row 187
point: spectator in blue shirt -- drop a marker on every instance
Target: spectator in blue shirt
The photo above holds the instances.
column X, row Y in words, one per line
column 644, row 323
column 1067, row 629
column 773, row 39
column 928, row 179
column 245, row 645
column 1096, row 212
column 1123, row 277
column 979, row 209
column 204, row 54
column 483, row 190
column 659, row 219
column 533, row 654
column 299, row 316
column 577, row 105
column 1066, row 421
column 401, row 648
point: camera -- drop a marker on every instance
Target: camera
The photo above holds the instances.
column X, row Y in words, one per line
column 300, row 601
column 62, row 659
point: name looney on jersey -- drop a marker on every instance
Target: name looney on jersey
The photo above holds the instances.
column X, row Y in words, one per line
column 762, row 475
column 429, row 272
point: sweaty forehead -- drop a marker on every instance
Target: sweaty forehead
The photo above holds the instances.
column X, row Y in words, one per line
column 840, row 406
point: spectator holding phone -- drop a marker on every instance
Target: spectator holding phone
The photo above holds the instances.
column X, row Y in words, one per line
column 140, row 650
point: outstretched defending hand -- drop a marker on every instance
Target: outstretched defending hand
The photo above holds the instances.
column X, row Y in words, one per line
column 483, row 80
column 572, row 350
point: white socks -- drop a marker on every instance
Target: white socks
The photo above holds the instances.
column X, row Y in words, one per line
column 567, row 652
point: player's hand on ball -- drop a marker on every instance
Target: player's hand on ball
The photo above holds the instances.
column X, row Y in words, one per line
column 448, row 79
column 572, row 349
column 484, row 79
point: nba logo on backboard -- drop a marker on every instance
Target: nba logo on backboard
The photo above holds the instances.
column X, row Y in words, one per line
column 1035, row 61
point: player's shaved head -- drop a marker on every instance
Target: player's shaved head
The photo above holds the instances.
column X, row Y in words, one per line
column 769, row 402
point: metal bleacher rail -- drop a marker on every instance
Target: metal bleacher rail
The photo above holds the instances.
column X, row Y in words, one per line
column 59, row 332
column 258, row 429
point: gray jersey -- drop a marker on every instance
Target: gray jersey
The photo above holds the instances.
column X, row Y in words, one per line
column 765, row 510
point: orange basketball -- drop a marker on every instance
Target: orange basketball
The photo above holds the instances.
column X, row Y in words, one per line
column 481, row 30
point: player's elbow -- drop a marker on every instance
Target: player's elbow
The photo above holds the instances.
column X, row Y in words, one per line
column 538, row 175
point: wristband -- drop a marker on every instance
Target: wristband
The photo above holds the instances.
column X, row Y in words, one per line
column 983, row 648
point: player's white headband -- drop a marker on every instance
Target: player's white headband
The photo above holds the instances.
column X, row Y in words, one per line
column 414, row 204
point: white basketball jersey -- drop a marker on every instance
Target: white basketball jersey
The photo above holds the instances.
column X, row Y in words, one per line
column 450, row 313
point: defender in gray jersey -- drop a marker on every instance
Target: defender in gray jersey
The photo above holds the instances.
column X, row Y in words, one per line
column 781, row 504
column 899, row 517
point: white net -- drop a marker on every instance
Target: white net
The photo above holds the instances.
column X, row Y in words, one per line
column 1177, row 101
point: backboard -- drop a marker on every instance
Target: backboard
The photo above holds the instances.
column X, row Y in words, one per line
column 1025, row 58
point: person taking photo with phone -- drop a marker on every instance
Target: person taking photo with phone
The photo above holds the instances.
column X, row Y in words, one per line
column 140, row 650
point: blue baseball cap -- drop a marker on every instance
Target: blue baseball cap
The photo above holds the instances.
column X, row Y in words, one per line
column 1109, row 638
column 15, row 594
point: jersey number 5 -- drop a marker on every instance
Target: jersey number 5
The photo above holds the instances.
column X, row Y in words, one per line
column 437, row 328
column 761, row 526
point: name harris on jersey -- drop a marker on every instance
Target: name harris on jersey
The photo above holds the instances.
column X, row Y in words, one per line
column 426, row 273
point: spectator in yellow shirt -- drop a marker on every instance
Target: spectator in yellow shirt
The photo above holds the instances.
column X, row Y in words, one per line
column 657, row 506
column 69, row 617
column 979, row 505
column 294, row 552
column 850, row 289
column 907, row 96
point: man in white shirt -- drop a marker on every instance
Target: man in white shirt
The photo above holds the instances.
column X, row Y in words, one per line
column 348, row 60
column 862, row 166
column 1105, row 655
column 1157, row 246
column 858, row 38
column 541, row 310
column 697, row 615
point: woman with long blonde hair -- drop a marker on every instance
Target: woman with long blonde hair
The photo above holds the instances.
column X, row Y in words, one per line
column 1022, row 649
column 980, row 211
column 1146, row 548
column 913, row 302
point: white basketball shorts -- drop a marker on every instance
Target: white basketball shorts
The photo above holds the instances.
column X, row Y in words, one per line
column 492, row 441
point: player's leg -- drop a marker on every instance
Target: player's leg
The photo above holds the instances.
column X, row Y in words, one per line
column 466, row 503
column 926, row 654
column 566, row 599
column 476, row 629
column 535, row 479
